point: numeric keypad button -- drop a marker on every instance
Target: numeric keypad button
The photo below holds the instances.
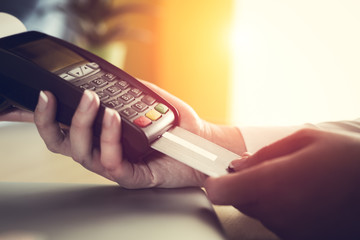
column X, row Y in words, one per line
column 142, row 121
column 153, row 115
column 128, row 112
column 123, row 84
column 109, row 77
column 99, row 82
column 127, row 98
column 149, row 100
column 102, row 95
column 114, row 89
column 161, row 108
column 87, row 86
column 115, row 103
column 135, row 92
column 140, row 106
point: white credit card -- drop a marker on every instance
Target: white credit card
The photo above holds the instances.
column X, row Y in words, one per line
column 195, row 151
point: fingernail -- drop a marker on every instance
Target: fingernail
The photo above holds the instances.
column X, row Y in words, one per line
column 86, row 101
column 110, row 117
column 246, row 154
column 43, row 101
column 237, row 164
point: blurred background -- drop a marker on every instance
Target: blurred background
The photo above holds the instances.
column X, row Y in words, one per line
column 245, row 62
column 248, row 62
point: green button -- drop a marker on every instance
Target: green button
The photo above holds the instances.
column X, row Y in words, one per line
column 161, row 108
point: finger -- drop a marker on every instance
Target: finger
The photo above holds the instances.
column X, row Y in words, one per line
column 186, row 111
column 238, row 164
column 16, row 115
column 176, row 102
column 116, row 167
column 246, row 154
column 111, row 150
column 259, row 182
column 47, row 125
column 249, row 186
column 283, row 147
column 230, row 189
column 166, row 95
column 81, row 130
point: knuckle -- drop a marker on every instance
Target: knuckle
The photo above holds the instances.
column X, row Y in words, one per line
column 308, row 133
column 307, row 136
column 55, row 143
column 81, row 160
column 39, row 121
column 81, row 121
column 77, row 158
column 305, row 131
column 53, row 147
column 77, row 121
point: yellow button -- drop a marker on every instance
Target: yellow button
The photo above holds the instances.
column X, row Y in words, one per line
column 153, row 115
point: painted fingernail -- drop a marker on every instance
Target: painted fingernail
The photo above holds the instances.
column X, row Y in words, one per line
column 86, row 101
column 110, row 117
column 43, row 101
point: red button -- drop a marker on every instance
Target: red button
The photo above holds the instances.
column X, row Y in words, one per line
column 142, row 121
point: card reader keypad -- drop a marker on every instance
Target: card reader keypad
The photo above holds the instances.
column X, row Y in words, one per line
column 114, row 92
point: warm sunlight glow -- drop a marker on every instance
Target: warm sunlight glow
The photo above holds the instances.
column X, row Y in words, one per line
column 193, row 57
column 295, row 61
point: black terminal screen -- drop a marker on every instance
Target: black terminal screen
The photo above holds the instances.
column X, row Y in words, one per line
column 48, row 54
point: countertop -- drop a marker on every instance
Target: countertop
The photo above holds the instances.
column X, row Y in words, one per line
column 25, row 158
